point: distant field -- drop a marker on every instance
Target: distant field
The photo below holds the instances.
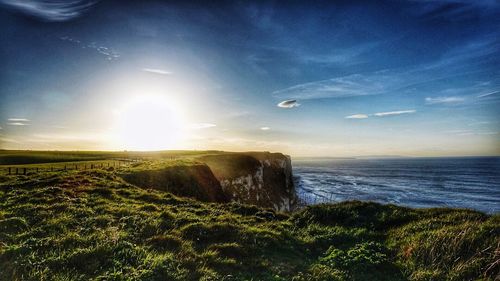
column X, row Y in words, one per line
column 23, row 157
column 25, row 162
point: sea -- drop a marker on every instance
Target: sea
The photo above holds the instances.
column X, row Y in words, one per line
column 458, row 182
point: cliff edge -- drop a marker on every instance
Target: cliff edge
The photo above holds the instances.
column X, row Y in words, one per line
column 258, row 178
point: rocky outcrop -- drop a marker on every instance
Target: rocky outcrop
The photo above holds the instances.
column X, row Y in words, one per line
column 259, row 178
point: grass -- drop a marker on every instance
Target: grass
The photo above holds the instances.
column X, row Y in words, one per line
column 93, row 225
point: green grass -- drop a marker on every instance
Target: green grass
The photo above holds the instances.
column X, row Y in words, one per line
column 23, row 157
column 92, row 225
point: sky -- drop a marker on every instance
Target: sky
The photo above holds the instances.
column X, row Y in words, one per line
column 309, row 78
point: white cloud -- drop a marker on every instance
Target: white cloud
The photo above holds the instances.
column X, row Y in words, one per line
column 389, row 113
column 18, row 120
column 265, row 128
column 288, row 104
column 108, row 52
column 198, row 126
column 157, row 71
column 488, row 94
column 357, row 116
column 444, row 100
column 17, row 124
column 55, row 10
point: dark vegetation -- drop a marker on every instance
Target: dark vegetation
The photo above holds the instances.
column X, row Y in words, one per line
column 94, row 225
column 194, row 180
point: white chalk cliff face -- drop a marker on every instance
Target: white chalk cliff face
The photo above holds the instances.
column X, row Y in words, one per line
column 263, row 179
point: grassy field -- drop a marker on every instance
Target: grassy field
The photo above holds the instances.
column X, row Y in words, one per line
column 23, row 157
column 92, row 225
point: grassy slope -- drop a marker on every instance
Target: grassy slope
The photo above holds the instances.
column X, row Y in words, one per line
column 81, row 225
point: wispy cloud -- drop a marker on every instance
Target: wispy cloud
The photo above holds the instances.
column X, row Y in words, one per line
column 467, row 59
column 479, row 123
column 108, row 52
column 380, row 114
column 50, row 10
column 454, row 9
column 18, row 120
column 157, row 71
column 445, row 100
column 288, row 104
column 487, row 133
column 488, row 94
column 265, row 128
column 198, row 126
column 346, row 86
column 389, row 113
column 470, row 133
column 357, row 116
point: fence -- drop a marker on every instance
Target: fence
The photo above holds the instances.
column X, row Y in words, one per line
column 19, row 170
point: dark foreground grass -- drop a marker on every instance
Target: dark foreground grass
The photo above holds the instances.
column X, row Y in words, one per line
column 91, row 225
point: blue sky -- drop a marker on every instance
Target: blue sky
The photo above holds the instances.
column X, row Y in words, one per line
column 416, row 78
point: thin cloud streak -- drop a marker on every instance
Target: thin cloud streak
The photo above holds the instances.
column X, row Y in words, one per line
column 380, row 114
column 488, row 94
column 389, row 113
column 157, row 71
column 18, row 120
column 444, row 100
column 357, row 116
column 17, row 124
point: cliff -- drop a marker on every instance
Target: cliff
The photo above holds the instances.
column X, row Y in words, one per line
column 195, row 181
column 258, row 178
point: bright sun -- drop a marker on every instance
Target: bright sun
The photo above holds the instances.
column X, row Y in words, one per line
column 149, row 123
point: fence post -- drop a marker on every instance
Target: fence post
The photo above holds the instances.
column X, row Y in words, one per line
column 17, row 170
column 24, row 171
column 65, row 167
column 9, row 170
column 37, row 169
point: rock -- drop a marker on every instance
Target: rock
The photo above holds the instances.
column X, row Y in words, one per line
column 260, row 178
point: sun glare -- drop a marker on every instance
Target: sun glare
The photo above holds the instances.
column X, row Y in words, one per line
column 149, row 123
